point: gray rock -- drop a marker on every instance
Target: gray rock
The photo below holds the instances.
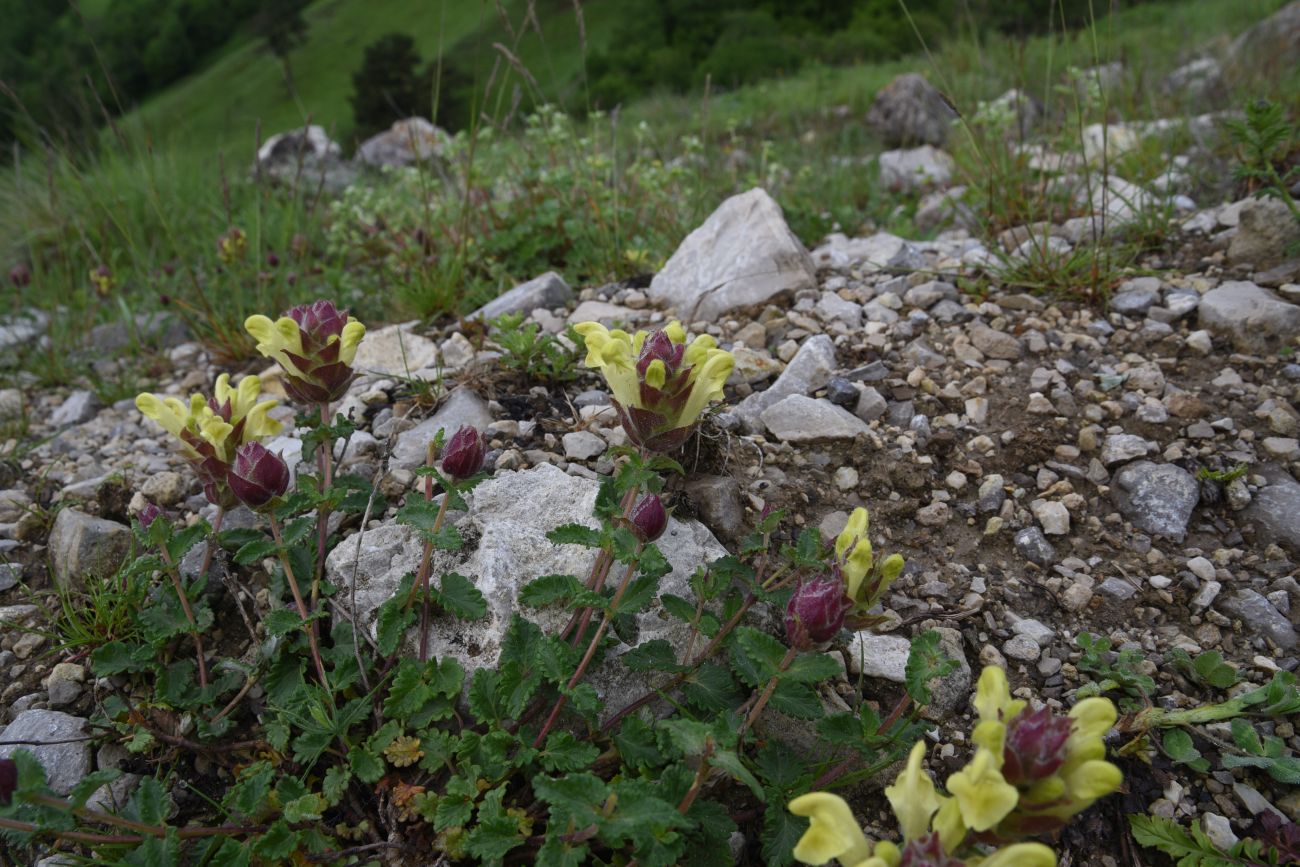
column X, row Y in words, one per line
column 463, row 407
column 1196, row 81
column 1137, row 296
column 879, row 252
column 1157, row 498
column 56, row 746
column 995, row 344
column 65, row 683
column 1034, row 547
column 743, row 255
column 1275, row 508
column 582, row 445
column 882, row 656
column 10, row 575
column 915, row 169
column 82, row 545
column 305, row 159
column 12, row 404
column 1252, row 317
column 1022, row 648
column 157, row 329
column 871, row 404
column 717, row 503
column 950, row 694
column 78, row 407
column 910, row 111
column 395, row 350
column 168, row 488
column 927, row 294
column 14, row 503
column 1258, row 615
column 841, row 392
column 809, row 370
column 18, row 330
column 1266, row 229
column 1117, row 589
column 799, row 418
column 1268, row 49
column 1120, row 448
column 510, row 515
column 548, row 290
column 407, row 142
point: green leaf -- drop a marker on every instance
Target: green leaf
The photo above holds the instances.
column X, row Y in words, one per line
column 575, row 799
column 926, row 661
column 1245, row 737
column 759, row 655
column 812, row 668
column 277, row 843
column 255, row 551
column 305, row 808
column 335, row 784
column 682, row 609
column 407, row 692
column 564, row 752
column 367, row 766
column 732, row 764
column 655, row 655
column 457, row 805
column 1191, row 849
column 640, row 591
column 148, row 804
column 780, row 766
column 394, row 619
column 89, row 784
column 248, row 796
column 495, row 832
column 282, row 621
column 118, row 657
column 460, row 598
column 556, row 852
column 781, row 831
column 576, row 534
column 648, row 822
column 1178, row 745
column 297, row 530
column 550, row 590
column 797, row 700
column 637, row 745
column 712, row 688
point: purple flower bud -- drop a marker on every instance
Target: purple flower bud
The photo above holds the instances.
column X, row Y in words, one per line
column 320, row 329
column 257, row 475
column 8, row 780
column 463, row 455
column 815, row 612
column 148, row 514
column 1035, row 745
column 649, row 520
column 20, row 275
column 272, row 260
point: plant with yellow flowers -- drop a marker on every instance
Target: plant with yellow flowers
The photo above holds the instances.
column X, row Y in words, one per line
column 660, row 383
column 1031, row 773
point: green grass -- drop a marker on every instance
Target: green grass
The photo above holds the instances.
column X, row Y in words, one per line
column 222, row 106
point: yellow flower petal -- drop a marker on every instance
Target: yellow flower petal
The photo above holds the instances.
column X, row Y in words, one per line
column 832, row 831
column 698, row 352
column 594, row 336
column 891, row 569
column 992, row 736
column 656, row 374
column 350, row 339
column 854, row 530
column 949, row 824
column 162, row 412
column 1094, row 779
column 676, row 333
column 858, row 566
column 912, row 797
column 886, row 855
column 707, row 386
column 1018, row 855
column 992, row 694
column 985, row 798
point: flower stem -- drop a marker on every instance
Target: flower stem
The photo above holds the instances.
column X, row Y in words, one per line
column 763, row 699
column 592, row 647
column 297, row 598
column 179, row 585
column 596, row 578
column 212, row 540
column 325, row 460
column 700, row 774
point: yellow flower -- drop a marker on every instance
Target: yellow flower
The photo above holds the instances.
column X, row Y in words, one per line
column 211, row 430
column 1019, row 855
column 912, row 797
column 983, row 796
column 660, row 384
column 315, row 344
column 832, row 832
column 993, row 700
column 853, row 550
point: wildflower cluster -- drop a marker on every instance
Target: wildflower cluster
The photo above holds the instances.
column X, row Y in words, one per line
column 845, row 595
column 212, row 430
column 660, row 384
column 315, row 345
column 1031, row 773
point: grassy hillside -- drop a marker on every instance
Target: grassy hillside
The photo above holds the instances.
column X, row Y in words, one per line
column 222, row 106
